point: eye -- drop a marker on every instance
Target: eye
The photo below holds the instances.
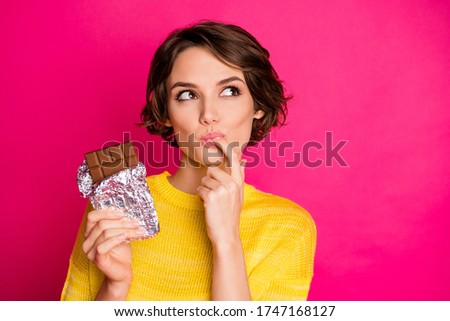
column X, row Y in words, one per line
column 230, row 91
column 185, row 95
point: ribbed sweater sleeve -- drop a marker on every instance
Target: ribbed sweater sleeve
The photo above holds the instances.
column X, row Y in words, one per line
column 280, row 243
column 76, row 287
column 292, row 280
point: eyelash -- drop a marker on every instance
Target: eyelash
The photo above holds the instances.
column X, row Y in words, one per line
column 234, row 88
column 177, row 96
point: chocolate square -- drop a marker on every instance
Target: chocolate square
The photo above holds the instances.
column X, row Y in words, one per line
column 105, row 162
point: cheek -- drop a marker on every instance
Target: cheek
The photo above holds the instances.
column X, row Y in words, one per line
column 242, row 128
column 182, row 120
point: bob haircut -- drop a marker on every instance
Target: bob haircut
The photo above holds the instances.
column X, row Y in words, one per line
column 235, row 47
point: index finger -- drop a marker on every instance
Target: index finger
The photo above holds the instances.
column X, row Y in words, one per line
column 232, row 154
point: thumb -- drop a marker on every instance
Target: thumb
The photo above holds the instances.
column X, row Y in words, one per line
column 243, row 164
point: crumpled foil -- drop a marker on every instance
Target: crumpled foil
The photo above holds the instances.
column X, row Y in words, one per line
column 127, row 191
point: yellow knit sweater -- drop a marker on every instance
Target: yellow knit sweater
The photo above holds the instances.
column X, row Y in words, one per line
column 278, row 238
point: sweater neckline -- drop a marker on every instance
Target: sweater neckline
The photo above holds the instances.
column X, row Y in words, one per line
column 183, row 199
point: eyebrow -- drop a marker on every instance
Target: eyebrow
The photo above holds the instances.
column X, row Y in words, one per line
column 220, row 83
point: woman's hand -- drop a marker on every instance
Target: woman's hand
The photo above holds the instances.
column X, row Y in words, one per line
column 222, row 192
column 105, row 244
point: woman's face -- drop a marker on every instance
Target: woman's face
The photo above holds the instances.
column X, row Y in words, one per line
column 208, row 99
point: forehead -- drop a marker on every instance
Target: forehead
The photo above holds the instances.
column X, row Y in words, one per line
column 198, row 64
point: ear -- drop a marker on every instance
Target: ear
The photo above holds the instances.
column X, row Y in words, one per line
column 259, row 114
column 168, row 123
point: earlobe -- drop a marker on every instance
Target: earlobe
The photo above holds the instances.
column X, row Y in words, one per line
column 168, row 123
column 259, row 114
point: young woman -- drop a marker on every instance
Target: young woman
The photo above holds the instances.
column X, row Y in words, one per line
column 211, row 91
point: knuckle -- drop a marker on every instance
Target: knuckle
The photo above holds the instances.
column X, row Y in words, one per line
column 102, row 225
column 210, row 197
column 107, row 234
column 99, row 251
column 85, row 247
column 91, row 215
column 91, row 256
column 221, row 190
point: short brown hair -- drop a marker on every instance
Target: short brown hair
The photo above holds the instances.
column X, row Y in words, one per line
column 232, row 45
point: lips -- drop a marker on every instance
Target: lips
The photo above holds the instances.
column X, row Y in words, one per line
column 208, row 139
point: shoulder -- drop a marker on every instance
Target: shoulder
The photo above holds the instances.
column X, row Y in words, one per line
column 279, row 211
column 158, row 183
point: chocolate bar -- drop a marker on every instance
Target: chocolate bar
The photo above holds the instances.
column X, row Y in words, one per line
column 127, row 190
column 105, row 162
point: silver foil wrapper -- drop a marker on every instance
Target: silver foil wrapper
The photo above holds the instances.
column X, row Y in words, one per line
column 127, row 191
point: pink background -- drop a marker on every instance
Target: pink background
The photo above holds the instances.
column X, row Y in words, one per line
column 73, row 75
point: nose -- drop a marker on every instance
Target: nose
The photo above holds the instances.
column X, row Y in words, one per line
column 209, row 113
